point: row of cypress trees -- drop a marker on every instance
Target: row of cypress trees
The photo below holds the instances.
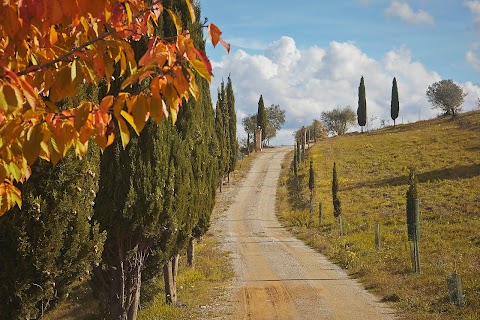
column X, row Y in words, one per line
column 362, row 103
column 226, row 127
column 122, row 216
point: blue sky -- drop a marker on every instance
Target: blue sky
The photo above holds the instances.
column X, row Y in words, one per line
column 308, row 56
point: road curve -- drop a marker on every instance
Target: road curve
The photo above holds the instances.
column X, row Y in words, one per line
column 278, row 276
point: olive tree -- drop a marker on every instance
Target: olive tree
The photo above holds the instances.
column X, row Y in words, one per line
column 446, row 96
column 338, row 121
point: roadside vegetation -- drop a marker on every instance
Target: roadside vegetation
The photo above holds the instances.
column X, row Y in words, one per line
column 373, row 176
column 200, row 290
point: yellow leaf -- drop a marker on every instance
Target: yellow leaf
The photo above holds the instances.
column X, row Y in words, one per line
column 191, row 10
column 81, row 115
column 129, row 12
column 119, row 104
column 8, row 98
column 176, row 21
column 53, row 35
column 194, row 90
column 106, row 103
column 128, row 117
column 31, row 146
column 140, row 112
column 55, row 154
column 201, row 69
column 123, row 63
column 173, row 114
column 124, row 132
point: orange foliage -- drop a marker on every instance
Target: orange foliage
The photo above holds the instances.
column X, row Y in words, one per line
column 49, row 47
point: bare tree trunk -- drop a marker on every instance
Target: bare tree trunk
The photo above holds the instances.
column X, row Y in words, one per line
column 191, row 252
column 170, row 270
column 340, row 222
column 121, row 277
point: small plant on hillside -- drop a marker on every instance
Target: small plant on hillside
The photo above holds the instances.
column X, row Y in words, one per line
column 311, row 184
column 413, row 221
column 337, row 206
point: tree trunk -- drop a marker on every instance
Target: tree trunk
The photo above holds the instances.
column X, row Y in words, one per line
column 340, row 223
column 121, row 277
column 191, row 252
column 170, row 270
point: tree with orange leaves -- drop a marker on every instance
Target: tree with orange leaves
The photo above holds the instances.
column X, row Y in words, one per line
column 49, row 47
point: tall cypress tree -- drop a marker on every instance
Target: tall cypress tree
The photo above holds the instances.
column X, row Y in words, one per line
column 226, row 127
column 196, row 124
column 222, row 140
column 262, row 117
column 395, row 104
column 362, row 105
column 232, row 124
column 51, row 241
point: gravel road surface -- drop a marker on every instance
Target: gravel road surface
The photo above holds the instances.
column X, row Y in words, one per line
column 278, row 276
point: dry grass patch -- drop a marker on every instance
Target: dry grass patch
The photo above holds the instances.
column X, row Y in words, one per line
column 373, row 177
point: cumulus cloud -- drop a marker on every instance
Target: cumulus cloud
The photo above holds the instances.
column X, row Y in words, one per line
column 306, row 82
column 474, row 7
column 473, row 59
column 403, row 10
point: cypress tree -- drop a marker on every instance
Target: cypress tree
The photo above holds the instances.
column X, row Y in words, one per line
column 262, row 117
column 311, row 184
column 337, row 206
column 51, row 241
column 196, row 124
column 232, row 125
column 222, row 140
column 226, row 129
column 395, row 104
column 147, row 201
column 362, row 105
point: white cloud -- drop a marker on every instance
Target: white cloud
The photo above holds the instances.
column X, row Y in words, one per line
column 309, row 81
column 473, row 59
column 474, row 7
column 403, row 10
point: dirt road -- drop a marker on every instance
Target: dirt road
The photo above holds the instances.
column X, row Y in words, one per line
column 277, row 276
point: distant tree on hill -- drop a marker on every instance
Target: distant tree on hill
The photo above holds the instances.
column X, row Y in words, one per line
column 362, row 105
column 446, row 96
column 275, row 120
column 318, row 130
column 249, row 125
column 338, row 121
column 395, row 104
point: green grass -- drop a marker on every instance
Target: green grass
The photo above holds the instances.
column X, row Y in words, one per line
column 373, row 178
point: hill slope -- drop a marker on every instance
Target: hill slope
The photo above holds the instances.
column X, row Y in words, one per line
column 373, row 175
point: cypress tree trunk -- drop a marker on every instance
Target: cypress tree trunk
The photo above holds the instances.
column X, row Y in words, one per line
column 170, row 270
column 124, row 278
column 191, row 252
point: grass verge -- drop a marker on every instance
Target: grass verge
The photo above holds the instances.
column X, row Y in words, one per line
column 373, row 175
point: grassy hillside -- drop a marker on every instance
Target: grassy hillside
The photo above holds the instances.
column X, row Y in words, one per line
column 373, row 176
